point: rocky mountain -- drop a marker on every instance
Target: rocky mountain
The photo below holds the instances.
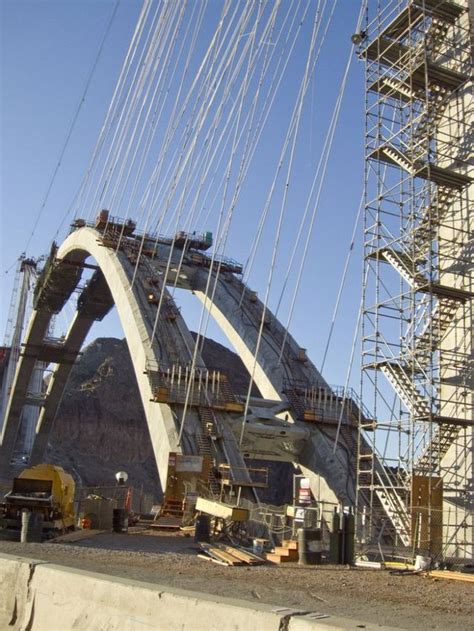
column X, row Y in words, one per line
column 101, row 428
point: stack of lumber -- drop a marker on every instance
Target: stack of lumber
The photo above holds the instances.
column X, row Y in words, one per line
column 288, row 551
column 228, row 555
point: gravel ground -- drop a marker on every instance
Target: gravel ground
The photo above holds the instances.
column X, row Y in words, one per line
column 407, row 602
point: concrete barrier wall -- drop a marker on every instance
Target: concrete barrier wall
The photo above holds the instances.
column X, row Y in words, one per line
column 41, row 596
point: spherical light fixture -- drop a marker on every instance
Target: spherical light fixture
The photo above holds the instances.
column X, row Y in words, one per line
column 121, row 477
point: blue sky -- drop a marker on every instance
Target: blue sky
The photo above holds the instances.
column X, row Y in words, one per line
column 47, row 50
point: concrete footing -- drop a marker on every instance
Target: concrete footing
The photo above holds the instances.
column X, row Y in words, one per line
column 40, row 596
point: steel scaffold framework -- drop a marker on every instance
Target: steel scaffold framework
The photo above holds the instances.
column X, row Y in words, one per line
column 418, row 282
column 19, row 313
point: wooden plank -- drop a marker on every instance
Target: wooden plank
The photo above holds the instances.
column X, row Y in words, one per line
column 220, row 554
column 227, row 556
column 427, row 491
column 452, row 576
column 219, row 509
column 243, row 555
column 276, row 558
column 286, row 552
column 289, row 543
column 236, row 553
column 207, row 549
column 256, row 557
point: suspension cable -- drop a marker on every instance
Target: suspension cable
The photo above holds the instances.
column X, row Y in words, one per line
column 73, row 123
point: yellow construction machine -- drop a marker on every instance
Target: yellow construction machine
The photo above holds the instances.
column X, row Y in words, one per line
column 46, row 489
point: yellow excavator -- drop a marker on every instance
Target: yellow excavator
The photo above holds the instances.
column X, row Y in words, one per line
column 46, row 489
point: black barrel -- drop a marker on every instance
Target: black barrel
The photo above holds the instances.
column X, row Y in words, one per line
column 335, row 539
column 203, row 529
column 309, row 546
column 120, row 520
column 349, row 536
column 31, row 527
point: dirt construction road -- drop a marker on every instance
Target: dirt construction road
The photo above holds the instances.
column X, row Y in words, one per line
column 407, row 602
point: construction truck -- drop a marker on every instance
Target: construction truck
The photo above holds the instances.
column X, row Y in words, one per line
column 45, row 489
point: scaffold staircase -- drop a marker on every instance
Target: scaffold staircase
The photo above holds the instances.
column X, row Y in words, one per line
column 204, row 448
column 430, row 460
column 436, row 326
column 413, row 166
column 394, row 87
column 396, row 510
column 391, row 155
column 436, row 36
column 403, row 264
column 296, row 402
column 225, row 390
column 402, row 382
column 373, row 478
column 438, row 322
column 420, row 239
column 430, row 118
column 208, row 422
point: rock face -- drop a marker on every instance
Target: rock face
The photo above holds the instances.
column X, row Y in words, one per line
column 101, row 428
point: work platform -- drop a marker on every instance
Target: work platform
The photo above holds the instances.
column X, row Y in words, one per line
column 409, row 18
column 121, row 234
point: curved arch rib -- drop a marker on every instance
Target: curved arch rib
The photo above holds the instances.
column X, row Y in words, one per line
column 133, row 315
column 331, row 473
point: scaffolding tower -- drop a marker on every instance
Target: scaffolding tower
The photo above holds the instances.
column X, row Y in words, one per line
column 21, row 307
column 417, row 330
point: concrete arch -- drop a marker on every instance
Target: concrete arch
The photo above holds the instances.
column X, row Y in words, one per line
column 238, row 313
column 173, row 342
column 132, row 312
